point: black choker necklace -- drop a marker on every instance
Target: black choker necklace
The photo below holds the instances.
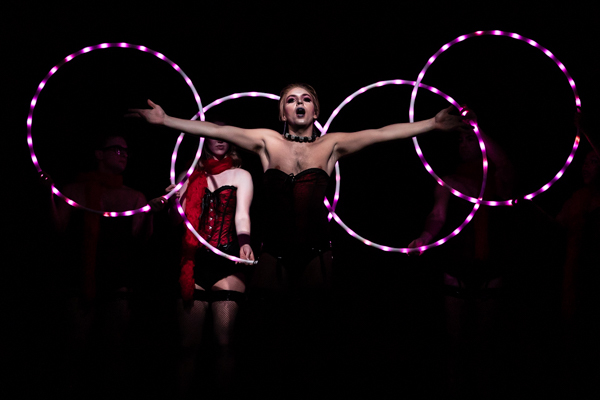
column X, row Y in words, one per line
column 301, row 139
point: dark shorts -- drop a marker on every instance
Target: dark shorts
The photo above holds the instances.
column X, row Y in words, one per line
column 211, row 268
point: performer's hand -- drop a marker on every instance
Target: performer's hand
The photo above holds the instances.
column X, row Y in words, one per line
column 155, row 115
column 171, row 187
column 157, row 204
column 468, row 115
column 46, row 180
column 418, row 242
column 246, row 252
column 445, row 121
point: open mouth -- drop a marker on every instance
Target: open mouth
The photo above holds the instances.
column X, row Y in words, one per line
column 300, row 112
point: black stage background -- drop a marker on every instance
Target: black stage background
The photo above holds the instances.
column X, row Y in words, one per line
column 391, row 335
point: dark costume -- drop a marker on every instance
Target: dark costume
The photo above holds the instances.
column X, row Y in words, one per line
column 295, row 224
column 295, row 217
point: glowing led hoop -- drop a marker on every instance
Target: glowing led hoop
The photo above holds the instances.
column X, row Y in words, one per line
column 411, row 114
column 193, row 166
column 331, row 208
column 33, row 103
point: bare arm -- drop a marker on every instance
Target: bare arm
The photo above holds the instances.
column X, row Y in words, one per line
column 60, row 212
column 245, row 192
column 59, row 209
column 435, row 220
column 249, row 139
column 348, row 143
column 142, row 223
column 174, row 215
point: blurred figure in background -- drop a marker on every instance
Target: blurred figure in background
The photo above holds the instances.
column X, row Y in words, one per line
column 473, row 264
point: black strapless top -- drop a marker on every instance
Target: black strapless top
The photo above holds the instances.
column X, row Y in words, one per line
column 294, row 214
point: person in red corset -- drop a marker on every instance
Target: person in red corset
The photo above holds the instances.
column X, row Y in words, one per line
column 216, row 200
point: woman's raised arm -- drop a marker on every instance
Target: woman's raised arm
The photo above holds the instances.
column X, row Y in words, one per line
column 348, row 143
column 249, row 139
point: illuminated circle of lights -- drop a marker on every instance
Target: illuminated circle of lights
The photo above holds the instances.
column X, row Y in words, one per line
column 560, row 65
column 198, row 153
column 33, row 103
column 439, row 242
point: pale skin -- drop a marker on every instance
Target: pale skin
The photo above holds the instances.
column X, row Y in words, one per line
column 291, row 157
column 242, row 180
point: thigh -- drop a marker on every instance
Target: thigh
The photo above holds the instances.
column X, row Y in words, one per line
column 210, row 269
column 235, row 282
column 317, row 274
column 191, row 320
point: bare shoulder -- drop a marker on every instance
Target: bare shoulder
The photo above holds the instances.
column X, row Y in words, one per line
column 335, row 137
column 242, row 176
column 73, row 188
column 270, row 134
column 334, row 142
column 75, row 191
column 262, row 139
column 133, row 194
column 451, row 180
column 263, row 134
column 131, row 191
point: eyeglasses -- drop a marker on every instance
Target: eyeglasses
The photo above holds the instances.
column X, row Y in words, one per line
column 119, row 150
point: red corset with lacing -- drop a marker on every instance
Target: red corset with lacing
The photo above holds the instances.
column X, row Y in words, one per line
column 217, row 221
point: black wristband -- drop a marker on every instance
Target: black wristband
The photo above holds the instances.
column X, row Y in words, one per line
column 243, row 239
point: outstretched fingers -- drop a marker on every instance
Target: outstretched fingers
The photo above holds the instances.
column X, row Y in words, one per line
column 154, row 115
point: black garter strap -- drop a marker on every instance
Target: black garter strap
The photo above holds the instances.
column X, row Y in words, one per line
column 227, row 295
column 219, row 295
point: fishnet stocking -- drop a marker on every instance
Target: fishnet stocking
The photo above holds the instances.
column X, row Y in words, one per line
column 224, row 314
column 191, row 322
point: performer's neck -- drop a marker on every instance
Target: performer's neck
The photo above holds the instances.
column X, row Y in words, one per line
column 304, row 130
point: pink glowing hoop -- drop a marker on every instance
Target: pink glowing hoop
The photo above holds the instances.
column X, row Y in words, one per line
column 406, row 250
column 189, row 172
column 411, row 115
column 33, row 103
